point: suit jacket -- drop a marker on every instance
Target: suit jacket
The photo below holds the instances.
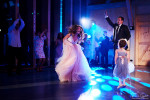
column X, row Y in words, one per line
column 123, row 31
column 105, row 44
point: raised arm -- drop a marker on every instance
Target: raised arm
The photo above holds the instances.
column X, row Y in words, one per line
column 108, row 20
column 22, row 25
column 43, row 34
column 13, row 25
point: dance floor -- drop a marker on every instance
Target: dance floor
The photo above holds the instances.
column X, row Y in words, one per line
column 32, row 85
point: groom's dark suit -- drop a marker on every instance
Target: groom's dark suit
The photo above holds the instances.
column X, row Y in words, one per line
column 123, row 32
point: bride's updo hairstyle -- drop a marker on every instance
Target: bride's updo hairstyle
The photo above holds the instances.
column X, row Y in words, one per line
column 73, row 29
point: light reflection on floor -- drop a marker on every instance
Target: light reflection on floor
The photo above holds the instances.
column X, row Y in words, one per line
column 102, row 86
column 104, row 83
column 143, row 71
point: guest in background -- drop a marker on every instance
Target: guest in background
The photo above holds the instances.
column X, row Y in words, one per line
column 97, row 51
column 59, row 46
column 14, row 45
column 104, row 50
column 38, row 48
column 86, row 44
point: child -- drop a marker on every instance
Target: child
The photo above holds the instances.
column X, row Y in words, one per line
column 38, row 48
column 121, row 60
column 73, row 65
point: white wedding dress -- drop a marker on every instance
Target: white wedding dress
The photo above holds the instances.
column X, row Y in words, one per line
column 73, row 65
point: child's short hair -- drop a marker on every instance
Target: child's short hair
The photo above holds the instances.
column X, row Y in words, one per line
column 122, row 43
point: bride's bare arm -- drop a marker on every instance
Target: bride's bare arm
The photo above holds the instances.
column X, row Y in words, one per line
column 67, row 36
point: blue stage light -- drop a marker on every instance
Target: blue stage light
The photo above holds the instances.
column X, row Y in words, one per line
column 98, row 75
column 85, row 22
column 95, row 92
column 106, row 87
column 146, row 71
column 116, row 97
column 86, row 96
column 92, row 77
column 93, row 82
column 114, row 83
column 93, row 72
column 61, row 15
column 116, row 78
column 100, row 80
column 89, row 36
column 93, row 23
column 143, row 71
column 129, row 85
column 106, row 77
column 145, row 84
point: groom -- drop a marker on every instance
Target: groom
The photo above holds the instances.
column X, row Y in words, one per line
column 120, row 30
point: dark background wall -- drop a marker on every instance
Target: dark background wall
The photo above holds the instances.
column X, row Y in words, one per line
column 73, row 11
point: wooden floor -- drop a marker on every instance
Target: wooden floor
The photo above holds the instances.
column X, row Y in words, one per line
column 32, row 85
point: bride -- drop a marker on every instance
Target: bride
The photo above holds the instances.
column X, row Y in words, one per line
column 73, row 65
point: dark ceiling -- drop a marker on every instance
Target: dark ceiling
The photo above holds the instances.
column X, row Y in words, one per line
column 95, row 2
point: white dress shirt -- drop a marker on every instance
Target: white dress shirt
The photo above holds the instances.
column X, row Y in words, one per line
column 14, row 35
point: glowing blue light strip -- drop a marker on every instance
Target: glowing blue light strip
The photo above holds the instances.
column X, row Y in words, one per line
column 143, row 71
column 138, row 80
column 61, row 4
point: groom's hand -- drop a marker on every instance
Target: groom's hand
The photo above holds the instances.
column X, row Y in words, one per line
column 105, row 14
